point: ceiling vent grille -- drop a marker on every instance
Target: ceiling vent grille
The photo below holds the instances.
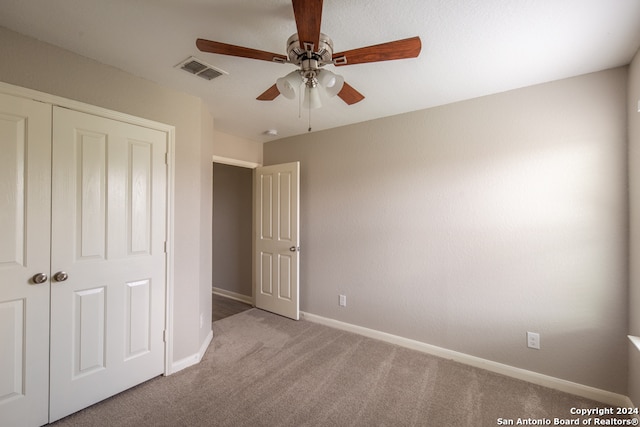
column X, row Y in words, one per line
column 201, row 69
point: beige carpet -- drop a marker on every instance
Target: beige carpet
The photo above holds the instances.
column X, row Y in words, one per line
column 265, row 370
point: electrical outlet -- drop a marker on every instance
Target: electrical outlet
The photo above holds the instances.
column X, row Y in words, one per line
column 533, row 340
column 342, row 301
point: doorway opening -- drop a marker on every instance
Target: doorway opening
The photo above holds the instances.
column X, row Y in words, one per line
column 232, row 227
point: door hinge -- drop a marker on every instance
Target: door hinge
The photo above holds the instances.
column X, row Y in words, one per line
column 166, row 158
column 164, row 335
column 165, row 246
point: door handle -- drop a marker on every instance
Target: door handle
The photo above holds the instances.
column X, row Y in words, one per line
column 60, row 276
column 294, row 248
column 39, row 278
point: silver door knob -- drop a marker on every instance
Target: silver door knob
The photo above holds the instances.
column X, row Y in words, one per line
column 60, row 276
column 294, row 248
column 39, row 278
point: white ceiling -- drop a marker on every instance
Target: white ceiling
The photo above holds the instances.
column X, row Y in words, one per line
column 470, row 48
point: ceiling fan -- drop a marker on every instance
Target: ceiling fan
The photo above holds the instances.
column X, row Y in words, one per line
column 311, row 50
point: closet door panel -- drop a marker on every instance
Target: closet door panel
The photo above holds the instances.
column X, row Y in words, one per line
column 25, row 173
column 109, row 224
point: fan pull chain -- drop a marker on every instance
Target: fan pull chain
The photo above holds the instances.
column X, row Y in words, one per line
column 307, row 95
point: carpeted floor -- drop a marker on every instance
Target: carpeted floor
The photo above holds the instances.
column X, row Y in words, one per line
column 265, row 370
column 222, row 307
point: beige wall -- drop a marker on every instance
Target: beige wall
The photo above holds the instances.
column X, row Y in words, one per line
column 234, row 147
column 634, row 197
column 206, row 226
column 467, row 225
column 37, row 65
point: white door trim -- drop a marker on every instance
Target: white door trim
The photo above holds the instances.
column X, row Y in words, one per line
column 235, row 162
column 35, row 95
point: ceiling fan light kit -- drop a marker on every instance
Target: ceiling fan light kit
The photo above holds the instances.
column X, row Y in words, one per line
column 310, row 50
column 312, row 98
column 289, row 85
column 332, row 83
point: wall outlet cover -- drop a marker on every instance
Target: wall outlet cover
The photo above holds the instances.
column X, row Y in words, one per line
column 342, row 301
column 533, row 340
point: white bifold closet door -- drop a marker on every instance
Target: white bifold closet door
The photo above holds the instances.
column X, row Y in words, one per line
column 83, row 210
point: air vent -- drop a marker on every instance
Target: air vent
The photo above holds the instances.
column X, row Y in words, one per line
column 201, row 69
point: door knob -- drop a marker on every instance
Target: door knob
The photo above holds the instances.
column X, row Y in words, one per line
column 39, row 278
column 60, row 276
column 294, row 248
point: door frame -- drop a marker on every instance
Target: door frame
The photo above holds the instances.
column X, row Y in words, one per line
column 55, row 100
column 248, row 165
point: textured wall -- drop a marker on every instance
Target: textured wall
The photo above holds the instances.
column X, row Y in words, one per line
column 232, row 228
column 634, row 198
column 464, row 226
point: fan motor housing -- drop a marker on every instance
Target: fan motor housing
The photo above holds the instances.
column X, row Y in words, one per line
column 323, row 54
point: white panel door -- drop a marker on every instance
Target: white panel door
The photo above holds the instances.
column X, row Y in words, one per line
column 25, row 164
column 108, row 259
column 277, row 194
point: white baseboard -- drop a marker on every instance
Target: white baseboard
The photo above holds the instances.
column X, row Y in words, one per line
column 205, row 345
column 233, row 295
column 194, row 359
column 588, row 392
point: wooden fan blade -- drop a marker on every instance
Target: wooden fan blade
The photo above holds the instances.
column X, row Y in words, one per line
column 349, row 94
column 399, row 49
column 269, row 94
column 232, row 50
column 308, row 15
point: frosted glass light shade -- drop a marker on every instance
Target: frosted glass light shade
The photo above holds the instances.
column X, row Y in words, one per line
column 332, row 83
column 288, row 85
column 312, row 97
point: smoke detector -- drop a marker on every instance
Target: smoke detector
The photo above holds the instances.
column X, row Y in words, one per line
column 200, row 68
